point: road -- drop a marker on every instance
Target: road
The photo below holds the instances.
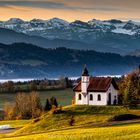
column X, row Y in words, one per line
column 8, row 130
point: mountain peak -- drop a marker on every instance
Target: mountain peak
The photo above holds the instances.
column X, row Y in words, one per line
column 79, row 23
column 72, row 30
column 14, row 21
column 37, row 20
column 58, row 21
column 114, row 21
column 95, row 21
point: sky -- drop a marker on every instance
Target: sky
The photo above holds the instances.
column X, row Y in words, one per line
column 70, row 10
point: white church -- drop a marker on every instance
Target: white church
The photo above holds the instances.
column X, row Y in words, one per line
column 96, row 90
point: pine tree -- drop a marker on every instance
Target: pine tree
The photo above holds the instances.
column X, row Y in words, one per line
column 47, row 105
column 53, row 102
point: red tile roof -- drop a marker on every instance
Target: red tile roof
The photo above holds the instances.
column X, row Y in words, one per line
column 98, row 84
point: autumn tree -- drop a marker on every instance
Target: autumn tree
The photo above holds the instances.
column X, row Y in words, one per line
column 129, row 89
column 27, row 106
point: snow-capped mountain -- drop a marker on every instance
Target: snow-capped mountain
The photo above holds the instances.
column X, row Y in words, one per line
column 112, row 36
column 58, row 28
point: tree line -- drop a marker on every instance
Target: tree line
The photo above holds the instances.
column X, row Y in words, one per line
column 35, row 85
column 27, row 106
column 129, row 89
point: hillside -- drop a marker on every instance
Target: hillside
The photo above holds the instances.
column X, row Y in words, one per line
column 25, row 60
column 131, row 131
column 112, row 36
column 95, row 115
column 121, row 132
column 87, row 120
column 8, row 36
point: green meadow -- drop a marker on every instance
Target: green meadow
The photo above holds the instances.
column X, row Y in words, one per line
column 64, row 97
column 124, row 132
column 90, row 123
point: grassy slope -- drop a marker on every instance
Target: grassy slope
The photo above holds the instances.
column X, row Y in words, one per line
column 125, row 132
column 86, row 119
column 15, row 123
column 84, row 116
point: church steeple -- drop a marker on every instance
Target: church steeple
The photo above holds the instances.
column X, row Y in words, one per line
column 85, row 80
column 85, row 71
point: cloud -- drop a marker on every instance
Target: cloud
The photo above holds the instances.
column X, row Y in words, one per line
column 83, row 5
column 37, row 4
column 60, row 4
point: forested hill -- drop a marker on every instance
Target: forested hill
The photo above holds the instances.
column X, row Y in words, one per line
column 25, row 60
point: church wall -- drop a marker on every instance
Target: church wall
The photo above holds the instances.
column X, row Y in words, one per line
column 104, row 97
column 95, row 101
column 113, row 92
column 83, row 100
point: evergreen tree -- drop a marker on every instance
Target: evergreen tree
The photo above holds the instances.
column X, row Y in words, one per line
column 47, row 105
column 53, row 102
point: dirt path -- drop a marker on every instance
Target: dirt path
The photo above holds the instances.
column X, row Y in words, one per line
column 111, row 123
column 8, row 130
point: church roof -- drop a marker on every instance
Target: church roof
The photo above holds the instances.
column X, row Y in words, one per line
column 98, row 84
column 85, row 71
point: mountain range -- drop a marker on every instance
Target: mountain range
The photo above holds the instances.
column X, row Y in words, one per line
column 112, row 36
column 22, row 60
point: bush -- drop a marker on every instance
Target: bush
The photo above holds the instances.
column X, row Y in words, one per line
column 35, row 120
column 72, row 121
column 56, row 110
column 19, row 117
column 125, row 117
column 9, row 110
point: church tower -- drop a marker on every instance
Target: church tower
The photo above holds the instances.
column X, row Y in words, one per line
column 85, row 80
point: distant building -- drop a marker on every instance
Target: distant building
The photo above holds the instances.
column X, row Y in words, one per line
column 96, row 90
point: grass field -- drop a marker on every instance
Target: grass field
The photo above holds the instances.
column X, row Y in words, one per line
column 123, row 132
column 84, row 117
column 64, row 97
column 90, row 123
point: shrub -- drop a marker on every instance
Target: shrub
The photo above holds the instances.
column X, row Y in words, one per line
column 71, row 122
column 124, row 117
column 9, row 112
column 19, row 117
column 56, row 110
column 35, row 120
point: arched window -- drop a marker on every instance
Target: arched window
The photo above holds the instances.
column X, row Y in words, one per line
column 109, row 99
column 115, row 100
column 91, row 97
column 79, row 97
column 99, row 97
